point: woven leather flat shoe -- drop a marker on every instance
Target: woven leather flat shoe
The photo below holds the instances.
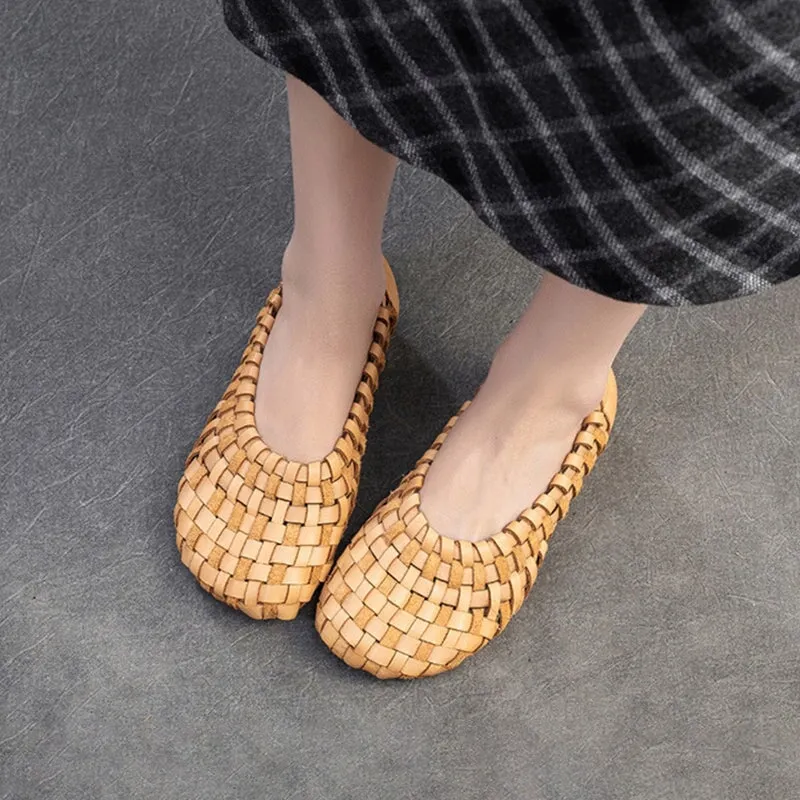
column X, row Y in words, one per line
column 404, row 601
column 257, row 530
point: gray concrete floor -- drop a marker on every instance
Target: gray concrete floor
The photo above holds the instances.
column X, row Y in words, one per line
column 145, row 205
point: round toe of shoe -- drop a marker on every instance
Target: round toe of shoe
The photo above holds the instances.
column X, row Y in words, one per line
column 263, row 579
column 371, row 620
column 372, row 645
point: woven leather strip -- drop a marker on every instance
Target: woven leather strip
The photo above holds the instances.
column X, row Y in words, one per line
column 405, row 602
column 257, row 530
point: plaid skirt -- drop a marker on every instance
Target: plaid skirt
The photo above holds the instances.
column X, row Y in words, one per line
column 648, row 150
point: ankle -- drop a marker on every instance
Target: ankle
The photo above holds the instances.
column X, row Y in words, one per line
column 315, row 270
column 569, row 390
column 326, row 316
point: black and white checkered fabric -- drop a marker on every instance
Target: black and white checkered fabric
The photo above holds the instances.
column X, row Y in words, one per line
column 646, row 150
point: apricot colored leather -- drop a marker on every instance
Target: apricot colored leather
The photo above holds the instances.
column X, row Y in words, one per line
column 257, row 530
column 404, row 601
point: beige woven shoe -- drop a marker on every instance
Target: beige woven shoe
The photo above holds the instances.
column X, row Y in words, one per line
column 257, row 530
column 404, row 601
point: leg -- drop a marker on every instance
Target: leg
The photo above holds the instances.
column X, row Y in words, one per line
column 546, row 376
column 333, row 280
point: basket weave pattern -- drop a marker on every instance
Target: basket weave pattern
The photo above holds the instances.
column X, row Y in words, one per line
column 403, row 601
column 257, row 530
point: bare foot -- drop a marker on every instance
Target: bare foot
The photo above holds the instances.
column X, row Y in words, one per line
column 315, row 354
column 502, row 453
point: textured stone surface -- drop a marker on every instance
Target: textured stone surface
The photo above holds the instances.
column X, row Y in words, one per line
column 145, row 204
